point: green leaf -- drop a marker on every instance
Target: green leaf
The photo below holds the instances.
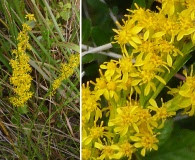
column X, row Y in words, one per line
column 99, row 36
column 86, row 29
column 44, row 109
column 68, row 45
column 23, row 110
column 180, row 146
column 87, row 58
column 165, row 132
column 98, row 5
column 4, row 61
column 65, row 14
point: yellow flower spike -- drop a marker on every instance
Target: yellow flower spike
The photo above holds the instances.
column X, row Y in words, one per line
column 66, row 70
column 21, row 79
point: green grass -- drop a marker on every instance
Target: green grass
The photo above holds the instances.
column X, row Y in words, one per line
column 48, row 127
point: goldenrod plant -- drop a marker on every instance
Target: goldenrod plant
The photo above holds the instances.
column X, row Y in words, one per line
column 124, row 114
column 39, row 79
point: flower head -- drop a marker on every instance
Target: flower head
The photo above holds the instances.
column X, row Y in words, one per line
column 146, row 141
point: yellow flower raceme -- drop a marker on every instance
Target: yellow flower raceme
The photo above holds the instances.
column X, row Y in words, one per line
column 21, row 79
column 66, row 70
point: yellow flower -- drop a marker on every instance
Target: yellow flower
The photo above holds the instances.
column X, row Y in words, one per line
column 168, row 7
column 190, row 9
column 125, row 120
column 128, row 34
column 90, row 104
column 146, row 76
column 95, row 133
column 107, row 151
column 30, row 17
column 86, row 154
column 125, row 150
column 110, row 67
column 146, row 120
column 186, row 27
column 108, row 86
column 161, row 113
column 187, row 94
column 26, row 27
column 146, row 141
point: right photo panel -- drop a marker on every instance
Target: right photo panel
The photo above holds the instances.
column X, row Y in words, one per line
column 138, row 83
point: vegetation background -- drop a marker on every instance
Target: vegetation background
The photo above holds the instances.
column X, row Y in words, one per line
column 97, row 25
column 47, row 127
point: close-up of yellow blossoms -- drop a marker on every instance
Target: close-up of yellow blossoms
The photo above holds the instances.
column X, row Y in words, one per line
column 121, row 117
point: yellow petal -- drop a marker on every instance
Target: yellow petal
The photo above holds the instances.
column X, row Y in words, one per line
column 133, row 44
column 146, row 35
column 189, row 31
column 160, row 79
column 180, row 36
column 136, row 29
column 135, row 82
column 143, row 152
column 158, row 34
column 99, row 146
column 136, row 40
column 147, row 89
column 153, row 102
column 155, row 147
column 169, row 60
column 124, row 131
column 134, row 138
column 138, row 145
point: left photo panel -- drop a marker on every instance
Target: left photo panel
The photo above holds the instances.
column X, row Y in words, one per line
column 39, row 79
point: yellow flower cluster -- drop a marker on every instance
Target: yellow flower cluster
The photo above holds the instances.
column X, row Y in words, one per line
column 120, row 116
column 184, row 96
column 21, row 79
column 66, row 70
